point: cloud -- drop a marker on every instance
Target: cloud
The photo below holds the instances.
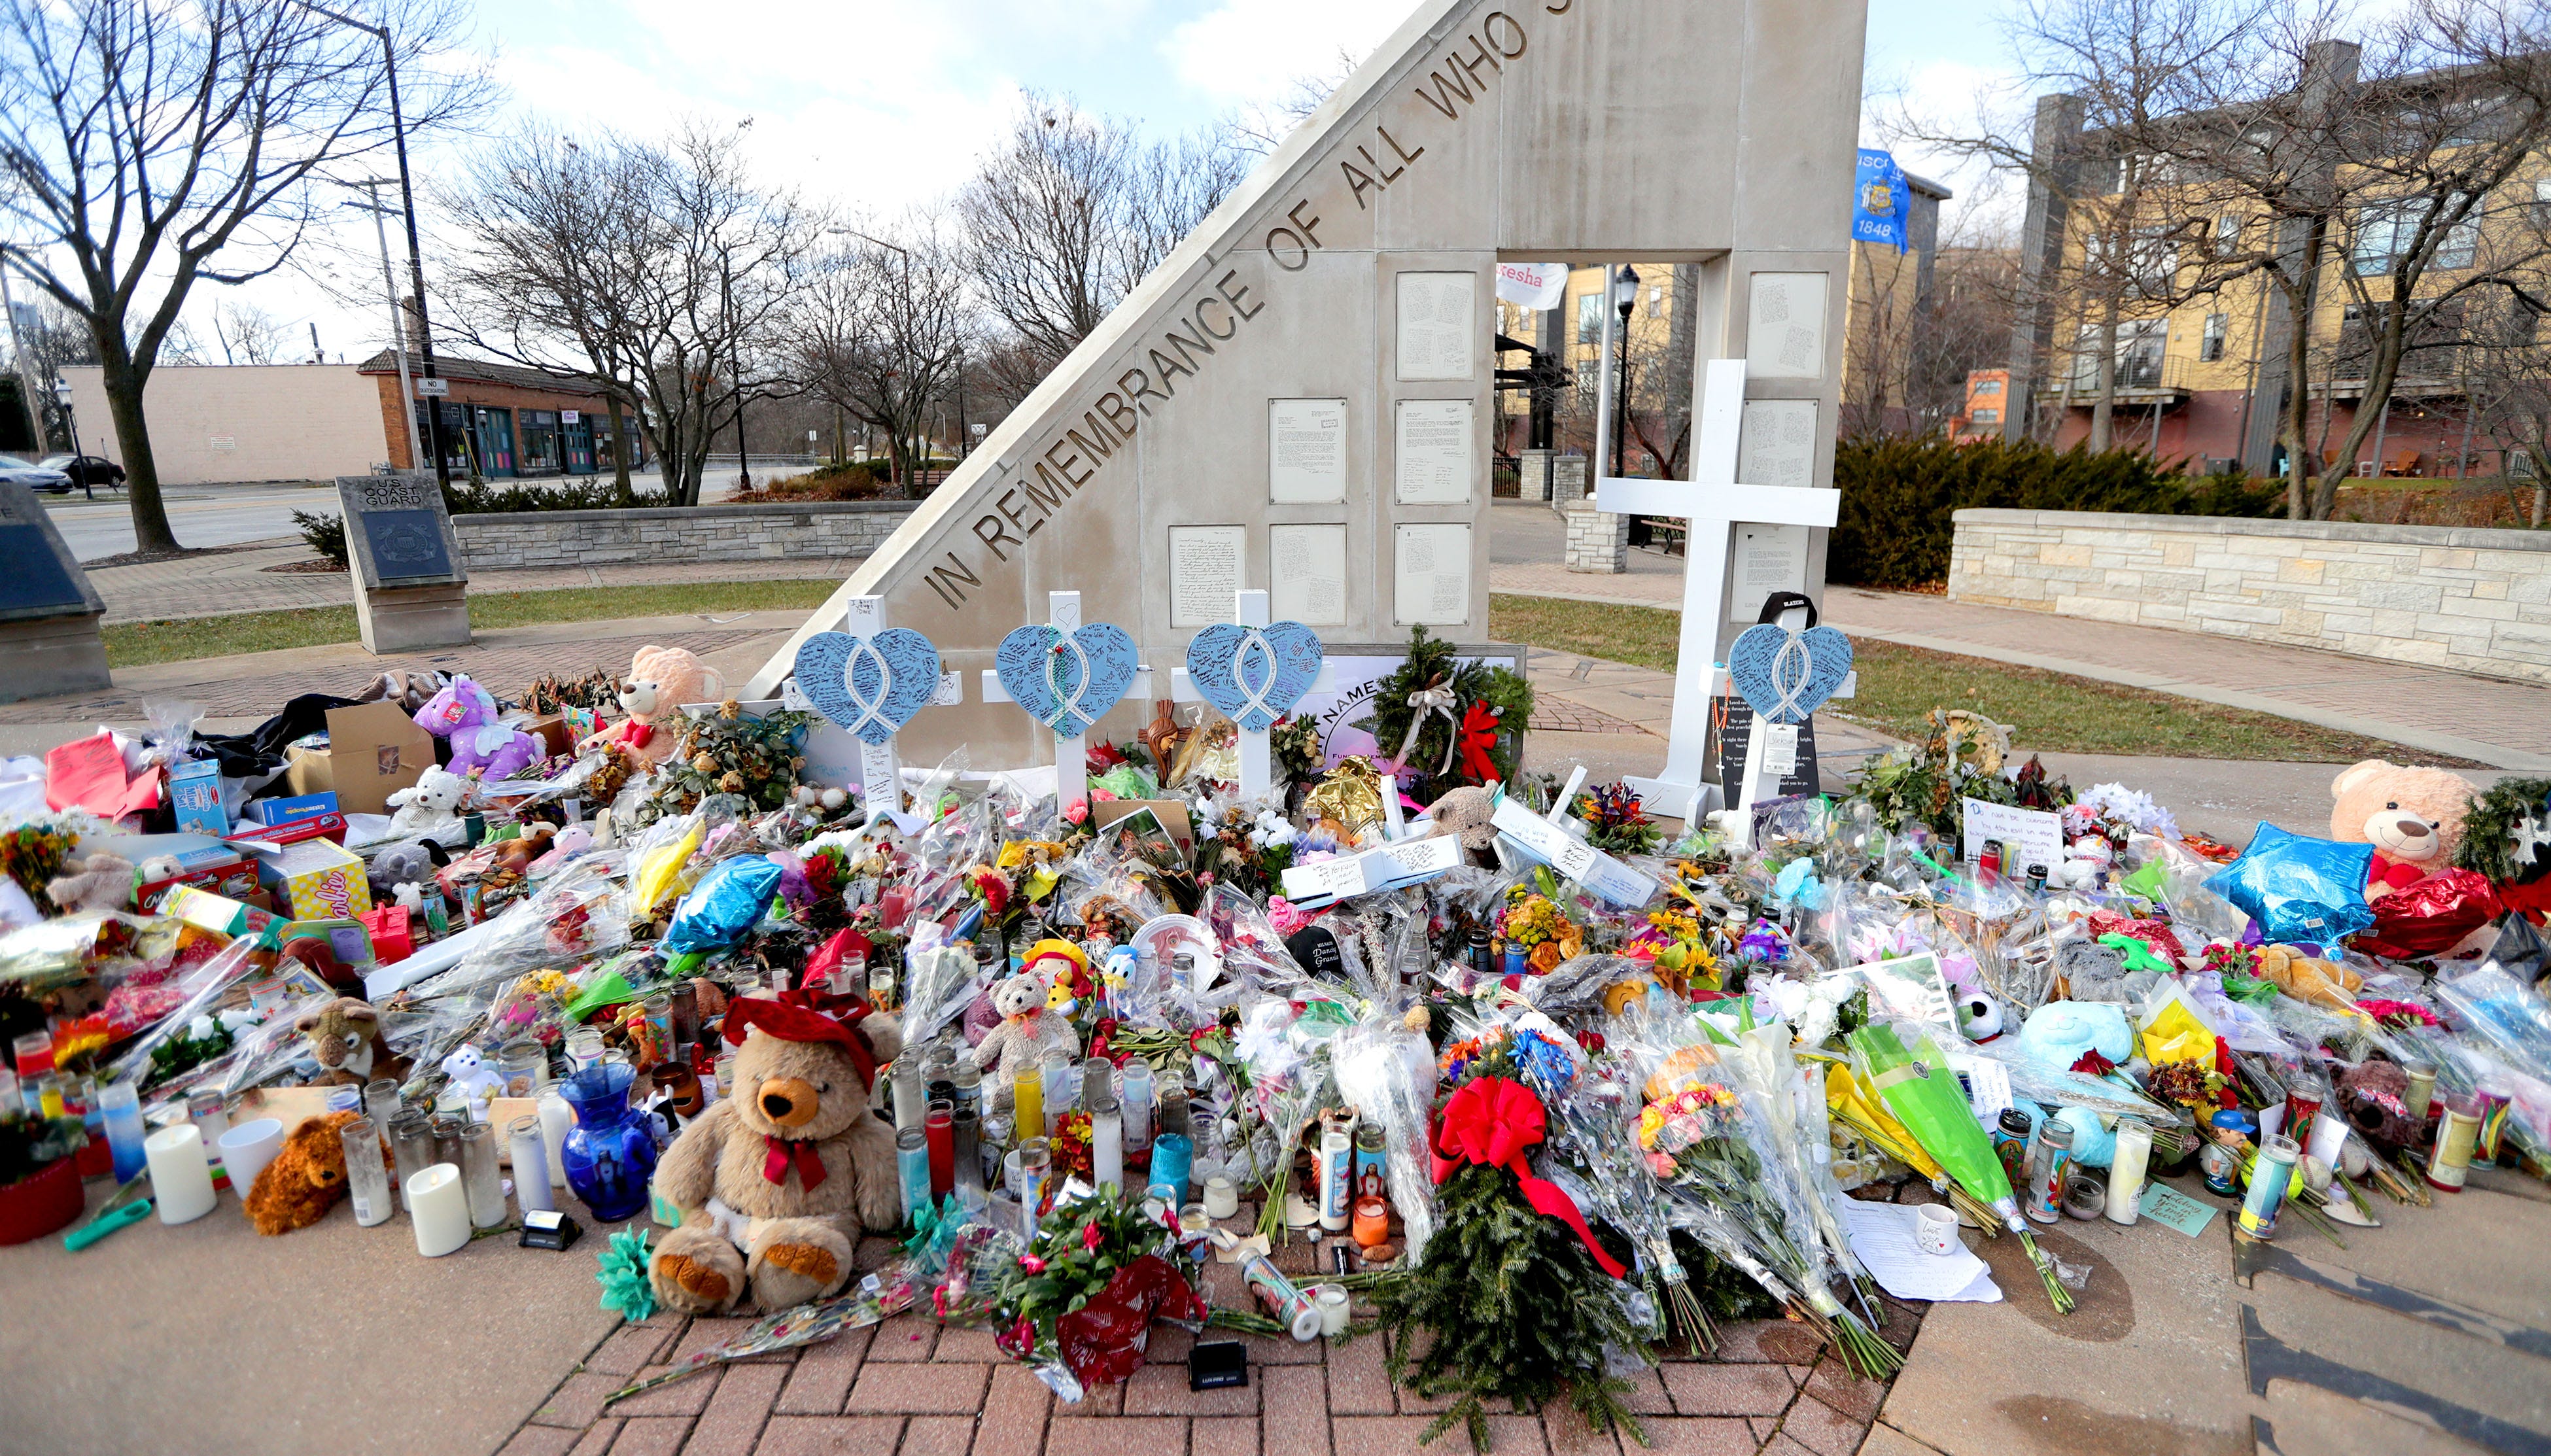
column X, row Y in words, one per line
column 1246, row 52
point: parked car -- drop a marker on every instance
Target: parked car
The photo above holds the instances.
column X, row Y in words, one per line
column 18, row 471
column 86, row 469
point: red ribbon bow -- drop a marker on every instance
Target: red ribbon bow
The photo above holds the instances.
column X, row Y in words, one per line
column 1480, row 725
column 1493, row 1122
column 779, row 1152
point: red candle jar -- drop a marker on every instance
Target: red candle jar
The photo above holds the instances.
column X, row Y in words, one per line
column 940, row 1129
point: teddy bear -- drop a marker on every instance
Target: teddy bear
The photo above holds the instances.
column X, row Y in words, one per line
column 102, row 881
column 2413, row 818
column 472, row 1077
column 466, row 714
column 431, row 806
column 1465, row 813
column 1029, row 1026
column 306, row 1179
column 661, row 680
column 409, row 690
column 776, row 1181
column 2054, row 1038
column 2330, row 984
column 2373, row 1094
column 400, row 863
column 344, row 1035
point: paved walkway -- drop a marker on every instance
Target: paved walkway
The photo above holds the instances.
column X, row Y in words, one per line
column 2504, row 724
column 235, row 579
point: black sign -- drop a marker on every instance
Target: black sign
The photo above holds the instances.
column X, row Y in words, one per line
column 1731, row 724
column 31, row 575
column 406, row 544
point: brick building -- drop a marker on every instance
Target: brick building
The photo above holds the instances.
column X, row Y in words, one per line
column 506, row 420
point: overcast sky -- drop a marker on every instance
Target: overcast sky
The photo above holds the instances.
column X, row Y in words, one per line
column 878, row 105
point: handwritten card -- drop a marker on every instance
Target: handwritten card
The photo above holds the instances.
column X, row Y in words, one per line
column 2029, row 836
column 2175, row 1210
column 1544, row 842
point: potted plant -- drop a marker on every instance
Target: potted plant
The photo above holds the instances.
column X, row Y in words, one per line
column 39, row 1179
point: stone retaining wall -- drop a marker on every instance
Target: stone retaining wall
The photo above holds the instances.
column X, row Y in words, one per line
column 704, row 533
column 2440, row 596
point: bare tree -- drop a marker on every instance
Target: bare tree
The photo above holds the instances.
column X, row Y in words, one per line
column 1064, row 218
column 660, row 273
column 881, row 331
column 149, row 146
column 1261, row 129
column 248, row 334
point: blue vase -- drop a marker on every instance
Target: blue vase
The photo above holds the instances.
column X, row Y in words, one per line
column 610, row 1153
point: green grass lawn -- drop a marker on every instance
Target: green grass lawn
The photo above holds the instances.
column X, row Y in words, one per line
column 137, row 643
column 1899, row 686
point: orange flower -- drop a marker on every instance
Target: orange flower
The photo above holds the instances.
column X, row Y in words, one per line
column 1545, row 958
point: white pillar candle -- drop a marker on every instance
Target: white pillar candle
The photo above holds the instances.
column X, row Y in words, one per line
column 531, row 1166
column 1221, row 1199
column 1107, row 1147
column 181, row 1179
column 556, row 1118
column 440, row 1208
column 248, row 1148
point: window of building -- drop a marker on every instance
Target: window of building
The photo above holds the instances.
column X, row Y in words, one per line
column 1987, row 386
column 1986, row 417
column 2542, row 204
column 2386, row 231
column 2228, row 233
column 2209, row 346
column 1590, row 382
column 1590, row 317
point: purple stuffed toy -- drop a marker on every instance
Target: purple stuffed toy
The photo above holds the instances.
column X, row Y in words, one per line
column 466, row 713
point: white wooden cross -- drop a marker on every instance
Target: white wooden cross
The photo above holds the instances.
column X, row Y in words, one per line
column 880, row 768
column 1714, row 503
column 1070, row 754
column 1257, row 764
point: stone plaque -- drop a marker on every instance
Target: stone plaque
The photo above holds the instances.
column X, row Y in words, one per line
column 398, row 532
column 1435, row 321
column 1431, row 575
column 1307, row 452
column 1306, row 574
column 1204, row 571
column 1786, row 336
column 1776, row 443
column 39, row 575
column 1434, row 452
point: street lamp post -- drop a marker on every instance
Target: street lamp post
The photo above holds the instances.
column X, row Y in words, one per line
column 905, row 253
column 398, row 334
column 1625, row 296
column 62, row 396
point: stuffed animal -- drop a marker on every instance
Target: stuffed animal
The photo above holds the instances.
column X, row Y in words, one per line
column 661, row 680
column 1065, row 969
column 2373, row 1094
column 1464, row 813
column 796, row 1153
column 398, row 865
column 315, row 952
column 472, row 1078
column 345, row 1036
column 1028, row 1027
column 2326, row 984
column 2413, row 818
column 410, row 690
column 466, row 714
column 306, row 1179
column 2097, row 971
column 157, row 869
column 2054, row 1038
column 102, row 881
column 431, row 807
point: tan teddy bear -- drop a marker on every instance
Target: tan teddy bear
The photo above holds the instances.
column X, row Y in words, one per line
column 661, row 680
column 344, row 1035
column 2326, row 984
column 776, row 1180
column 1464, row 814
column 1029, row 1026
column 102, row 881
column 2413, row 818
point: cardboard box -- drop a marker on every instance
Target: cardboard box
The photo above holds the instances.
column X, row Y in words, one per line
column 195, row 792
column 318, row 879
column 555, row 735
column 274, row 813
column 373, row 750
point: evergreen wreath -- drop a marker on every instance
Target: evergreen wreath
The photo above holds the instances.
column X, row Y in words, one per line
column 730, row 752
column 2492, row 827
column 1431, row 663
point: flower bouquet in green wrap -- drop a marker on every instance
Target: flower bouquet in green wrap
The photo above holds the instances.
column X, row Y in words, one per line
column 1918, row 1087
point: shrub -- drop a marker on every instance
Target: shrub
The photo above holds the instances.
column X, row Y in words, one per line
column 1898, row 495
column 325, row 533
column 593, row 493
column 854, row 480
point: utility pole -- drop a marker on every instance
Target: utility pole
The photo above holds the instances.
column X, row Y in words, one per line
column 399, row 331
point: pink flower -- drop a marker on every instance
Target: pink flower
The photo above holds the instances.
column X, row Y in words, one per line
column 1078, row 811
column 1090, row 1237
column 1101, row 795
column 1032, row 1264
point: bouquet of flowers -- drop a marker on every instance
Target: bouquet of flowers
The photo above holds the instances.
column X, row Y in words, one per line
column 1536, row 922
column 1615, row 823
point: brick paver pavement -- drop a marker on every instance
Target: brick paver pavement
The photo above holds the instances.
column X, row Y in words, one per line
column 910, row 1387
column 2502, row 724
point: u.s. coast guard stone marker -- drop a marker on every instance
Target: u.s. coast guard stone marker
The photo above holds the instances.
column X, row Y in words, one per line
column 411, row 587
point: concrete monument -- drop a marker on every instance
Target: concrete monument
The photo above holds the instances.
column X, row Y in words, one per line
column 411, row 588
column 48, row 613
column 1298, row 399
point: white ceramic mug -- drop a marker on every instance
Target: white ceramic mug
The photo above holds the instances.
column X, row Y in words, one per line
column 1935, row 1228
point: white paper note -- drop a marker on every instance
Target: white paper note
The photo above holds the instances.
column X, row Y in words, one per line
column 1204, row 571
column 2029, row 836
column 1881, row 1237
column 1306, row 574
column 1306, row 451
column 1433, row 451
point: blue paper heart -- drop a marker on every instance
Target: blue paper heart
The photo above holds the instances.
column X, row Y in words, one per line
column 1067, row 682
column 1785, row 676
column 870, row 685
column 1255, row 674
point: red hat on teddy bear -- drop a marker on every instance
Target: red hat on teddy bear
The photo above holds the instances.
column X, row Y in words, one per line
column 797, row 1015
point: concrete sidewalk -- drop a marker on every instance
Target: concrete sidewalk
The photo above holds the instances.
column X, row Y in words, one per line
column 2504, row 724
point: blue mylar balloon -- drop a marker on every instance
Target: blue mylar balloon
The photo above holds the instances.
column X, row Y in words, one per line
column 2297, row 888
column 727, row 902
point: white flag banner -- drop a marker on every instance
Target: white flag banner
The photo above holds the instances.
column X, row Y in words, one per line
column 1533, row 285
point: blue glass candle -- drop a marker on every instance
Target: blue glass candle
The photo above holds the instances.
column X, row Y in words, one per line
column 912, row 1163
column 121, row 1106
column 1172, row 1156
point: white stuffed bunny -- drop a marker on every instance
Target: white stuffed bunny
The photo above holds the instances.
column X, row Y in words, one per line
column 430, row 807
column 475, row 1082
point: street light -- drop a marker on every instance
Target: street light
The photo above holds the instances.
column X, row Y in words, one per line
column 407, row 207
column 62, row 397
column 1625, row 296
column 897, row 248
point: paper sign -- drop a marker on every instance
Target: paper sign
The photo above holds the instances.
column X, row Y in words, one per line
column 1987, row 1083
column 2173, row 1209
column 2029, row 836
column 1780, row 751
column 1323, row 880
column 1306, row 451
column 1538, row 838
column 1204, row 571
column 1388, row 867
column 1910, row 987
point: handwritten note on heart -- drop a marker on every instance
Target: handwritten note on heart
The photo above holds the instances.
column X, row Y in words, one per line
column 1786, row 675
column 870, row 685
column 1067, row 681
column 1255, row 674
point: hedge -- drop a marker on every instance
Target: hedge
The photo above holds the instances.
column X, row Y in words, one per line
column 1899, row 494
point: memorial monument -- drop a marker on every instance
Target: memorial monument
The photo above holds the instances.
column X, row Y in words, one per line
column 1299, row 398
column 411, row 590
column 48, row 613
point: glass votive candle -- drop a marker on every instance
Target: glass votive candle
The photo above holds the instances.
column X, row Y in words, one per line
column 1221, row 1197
column 583, row 1048
column 1372, row 1221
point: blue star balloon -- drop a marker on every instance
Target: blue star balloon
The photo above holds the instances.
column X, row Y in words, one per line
column 2299, row 890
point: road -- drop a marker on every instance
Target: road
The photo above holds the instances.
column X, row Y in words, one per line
column 207, row 515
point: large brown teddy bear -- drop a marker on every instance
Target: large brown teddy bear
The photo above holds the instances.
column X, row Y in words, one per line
column 661, row 680
column 2413, row 818
column 305, row 1179
column 796, row 1162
